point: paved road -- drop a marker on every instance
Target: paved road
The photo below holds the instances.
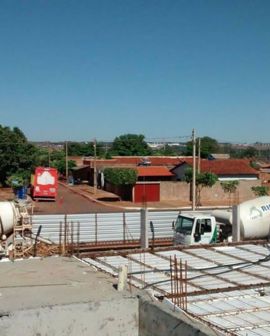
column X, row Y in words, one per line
column 68, row 202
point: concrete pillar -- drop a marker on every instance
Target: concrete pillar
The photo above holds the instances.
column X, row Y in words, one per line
column 235, row 224
column 122, row 277
column 144, row 228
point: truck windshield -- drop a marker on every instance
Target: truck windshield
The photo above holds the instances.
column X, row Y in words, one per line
column 184, row 225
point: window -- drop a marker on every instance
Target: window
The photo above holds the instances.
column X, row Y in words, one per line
column 206, row 225
column 184, row 225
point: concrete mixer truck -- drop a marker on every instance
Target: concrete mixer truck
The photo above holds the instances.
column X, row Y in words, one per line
column 14, row 222
column 216, row 226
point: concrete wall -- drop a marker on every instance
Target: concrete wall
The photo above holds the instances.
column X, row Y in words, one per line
column 242, row 194
column 174, row 191
column 158, row 320
column 100, row 318
column 181, row 191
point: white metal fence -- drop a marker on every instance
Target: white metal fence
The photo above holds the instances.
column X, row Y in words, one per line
column 104, row 227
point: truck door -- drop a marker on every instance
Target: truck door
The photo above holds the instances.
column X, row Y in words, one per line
column 203, row 231
column 183, row 230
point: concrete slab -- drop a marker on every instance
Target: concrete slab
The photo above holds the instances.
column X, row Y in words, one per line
column 51, row 281
column 63, row 296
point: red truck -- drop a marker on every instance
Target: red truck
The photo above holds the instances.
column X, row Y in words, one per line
column 44, row 184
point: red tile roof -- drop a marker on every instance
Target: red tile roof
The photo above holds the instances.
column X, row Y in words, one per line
column 136, row 160
column 153, row 171
column 226, row 167
column 219, row 167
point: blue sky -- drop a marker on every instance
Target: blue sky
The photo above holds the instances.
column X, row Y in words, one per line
column 78, row 70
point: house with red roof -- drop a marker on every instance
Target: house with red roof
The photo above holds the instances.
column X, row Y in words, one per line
column 161, row 178
column 147, row 188
column 226, row 170
column 154, row 173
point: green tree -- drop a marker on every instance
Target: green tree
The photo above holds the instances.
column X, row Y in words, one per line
column 58, row 161
column 85, row 149
column 17, row 155
column 230, row 187
column 129, row 145
column 203, row 180
column 54, row 158
column 250, row 152
column 60, row 165
column 240, row 153
column 208, row 146
column 120, row 176
column 254, row 165
column 80, row 148
column 260, row 190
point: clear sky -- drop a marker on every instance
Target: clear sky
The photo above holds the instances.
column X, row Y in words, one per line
column 80, row 69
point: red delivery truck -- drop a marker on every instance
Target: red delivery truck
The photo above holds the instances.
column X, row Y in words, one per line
column 45, row 184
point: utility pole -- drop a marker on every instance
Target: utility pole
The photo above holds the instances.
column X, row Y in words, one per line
column 95, row 166
column 67, row 162
column 193, row 170
column 49, row 154
column 199, row 155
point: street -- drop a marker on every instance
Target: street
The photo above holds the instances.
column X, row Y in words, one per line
column 68, row 202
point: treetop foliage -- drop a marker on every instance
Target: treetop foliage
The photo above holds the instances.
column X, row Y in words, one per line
column 229, row 186
column 85, row 149
column 130, row 144
column 17, row 155
column 202, row 179
column 208, row 146
column 120, row 176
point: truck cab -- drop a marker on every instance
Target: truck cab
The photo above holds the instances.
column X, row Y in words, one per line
column 196, row 228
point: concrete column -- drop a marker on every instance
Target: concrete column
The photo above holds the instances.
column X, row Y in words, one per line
column 122, row 277
column 144, row 228
column 235, row 224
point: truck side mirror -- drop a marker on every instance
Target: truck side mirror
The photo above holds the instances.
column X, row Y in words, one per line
column 173, row 225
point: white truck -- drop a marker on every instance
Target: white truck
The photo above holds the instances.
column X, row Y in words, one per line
column 207, row 228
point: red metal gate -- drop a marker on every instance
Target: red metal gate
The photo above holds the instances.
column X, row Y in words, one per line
column 147, row 192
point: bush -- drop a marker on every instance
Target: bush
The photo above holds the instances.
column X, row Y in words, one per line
column 17, row 181
column 120, row 176
column 260, row 190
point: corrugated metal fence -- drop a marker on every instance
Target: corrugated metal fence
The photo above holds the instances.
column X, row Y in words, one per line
column 103, row 227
